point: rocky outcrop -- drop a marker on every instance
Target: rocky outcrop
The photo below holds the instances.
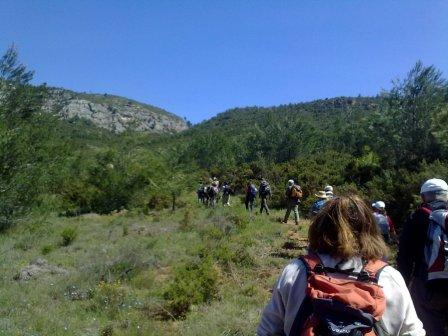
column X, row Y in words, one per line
column 114, row 113
column 37, row 268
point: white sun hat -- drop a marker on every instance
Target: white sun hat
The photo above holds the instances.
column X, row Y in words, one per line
column 380, row 205
column 434, row 184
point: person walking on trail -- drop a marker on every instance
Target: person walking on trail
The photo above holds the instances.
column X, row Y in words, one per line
column 251, row 193
column 264, row 194
column 329, row 192
column 226, row 192
column 214, row 182
column 201, row 193
column 383, row 221
column 422, row 256
column 341, row 286
column 319, row 203
column 213, row 192
column 293, row 195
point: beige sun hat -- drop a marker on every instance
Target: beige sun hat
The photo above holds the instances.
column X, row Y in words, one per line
column 321, row 194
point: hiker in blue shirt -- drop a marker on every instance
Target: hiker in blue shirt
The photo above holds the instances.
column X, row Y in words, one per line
column 319, row 203
column 251, row 193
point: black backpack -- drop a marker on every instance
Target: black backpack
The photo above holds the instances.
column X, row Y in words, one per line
column 265, row 190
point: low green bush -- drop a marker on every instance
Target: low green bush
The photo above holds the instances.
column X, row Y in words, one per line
column 159, row 202
column 193, row 283
column 68, row 235
column 123, row 267
column 46, row 249
column 125, row 228
column 186, row 221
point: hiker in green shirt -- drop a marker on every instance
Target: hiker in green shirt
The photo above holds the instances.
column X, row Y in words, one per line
column 293, row 195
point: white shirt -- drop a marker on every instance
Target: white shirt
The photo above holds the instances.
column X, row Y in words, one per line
column 399, row 318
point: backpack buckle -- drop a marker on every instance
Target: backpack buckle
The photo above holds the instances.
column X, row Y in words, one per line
column 364, row 276
column 319, row 269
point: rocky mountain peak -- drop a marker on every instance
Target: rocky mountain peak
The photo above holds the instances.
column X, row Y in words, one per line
column 114, row 113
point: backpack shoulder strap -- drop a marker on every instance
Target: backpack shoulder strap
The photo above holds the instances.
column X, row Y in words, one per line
column 311, row 260
column 374, row 268
column 440, row 217
column 425, row 210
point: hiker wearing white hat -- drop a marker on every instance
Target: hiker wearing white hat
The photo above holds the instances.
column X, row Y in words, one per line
column 383, row 221
column 322, row 198
column 329, row 192
column 422, row 242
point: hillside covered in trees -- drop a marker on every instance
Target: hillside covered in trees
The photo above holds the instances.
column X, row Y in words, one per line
column 381, row 147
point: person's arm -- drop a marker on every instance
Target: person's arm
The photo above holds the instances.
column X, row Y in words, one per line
column 406, row 247
column 272, row 319
column 400, row 317
column 280, row 312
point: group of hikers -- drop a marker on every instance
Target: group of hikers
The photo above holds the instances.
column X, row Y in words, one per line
column 343, row 284
column 210, row 195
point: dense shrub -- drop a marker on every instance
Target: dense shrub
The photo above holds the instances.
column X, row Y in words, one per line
column 68, row 235
column 193, row 283
column 160, row 201
column 186, row 221
column 124, row 266
column 46, row 249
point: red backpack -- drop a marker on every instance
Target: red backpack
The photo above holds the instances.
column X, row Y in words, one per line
column 351, row 304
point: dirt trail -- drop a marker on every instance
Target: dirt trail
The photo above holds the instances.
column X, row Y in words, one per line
column 295, row 244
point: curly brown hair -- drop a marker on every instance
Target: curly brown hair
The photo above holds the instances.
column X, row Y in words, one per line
column 345, row 228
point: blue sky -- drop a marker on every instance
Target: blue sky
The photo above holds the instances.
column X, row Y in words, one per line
column 199, row 58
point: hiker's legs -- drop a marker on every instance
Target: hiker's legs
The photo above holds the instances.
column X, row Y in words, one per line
column 431, row 307
column 246, row 203
column 264, row 205
column 296, row 213
column 251, row 204
column 288, row 211
column 225, row 199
